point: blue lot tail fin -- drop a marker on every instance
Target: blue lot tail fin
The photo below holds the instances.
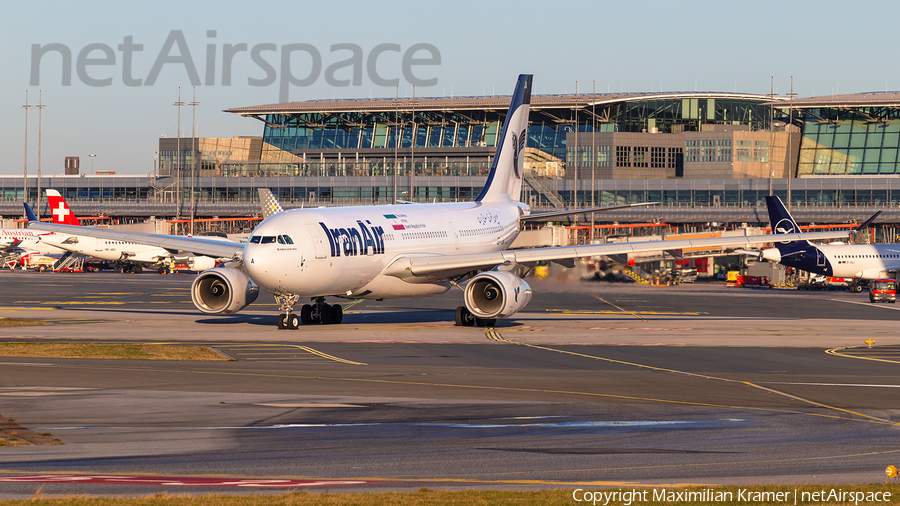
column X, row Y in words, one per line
column 781, row 220
column 507, row 170
column 29, row 213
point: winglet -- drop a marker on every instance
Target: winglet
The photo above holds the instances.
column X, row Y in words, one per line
column 866, row 223
column 29, row 213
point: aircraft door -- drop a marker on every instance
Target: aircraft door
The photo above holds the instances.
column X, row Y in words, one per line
column 454, row 234
column 820, row 258
column 319, row 240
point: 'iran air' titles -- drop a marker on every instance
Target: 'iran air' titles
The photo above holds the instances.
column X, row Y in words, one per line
column 355, row 241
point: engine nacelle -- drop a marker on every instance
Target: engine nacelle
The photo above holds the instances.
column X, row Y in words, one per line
column 200, row 263
column 223, row 290
column 496, row 294
column 771, row 254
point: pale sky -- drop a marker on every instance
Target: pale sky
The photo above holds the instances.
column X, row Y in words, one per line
column 828, row 46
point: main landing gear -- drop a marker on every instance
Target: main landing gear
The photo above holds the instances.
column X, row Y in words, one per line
column 465, row 318
column 317, row 312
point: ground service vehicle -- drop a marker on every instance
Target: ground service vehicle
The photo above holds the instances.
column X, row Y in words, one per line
column 883, row 290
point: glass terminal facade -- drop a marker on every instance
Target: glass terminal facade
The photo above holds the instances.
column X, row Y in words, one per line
column 850, row 142
column 301, row 137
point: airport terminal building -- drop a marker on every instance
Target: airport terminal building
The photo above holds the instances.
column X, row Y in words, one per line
column 710, row 156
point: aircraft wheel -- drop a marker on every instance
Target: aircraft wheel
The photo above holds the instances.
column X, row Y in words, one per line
column 485, row 322
column 326, row 315
column 161, row 269
column 305, row 314
column 282, row 322
column 292, row 321
column 337, row 313
column 856, row 288
column 464, row 317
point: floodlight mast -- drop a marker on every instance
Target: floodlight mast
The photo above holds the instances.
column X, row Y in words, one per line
column 25, row 173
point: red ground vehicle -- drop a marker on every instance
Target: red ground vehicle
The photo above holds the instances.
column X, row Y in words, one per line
column 883, row 290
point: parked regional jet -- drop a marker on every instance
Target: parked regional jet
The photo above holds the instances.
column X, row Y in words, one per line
column 396, row 251
column 860, row 262
column 21, row 240
column 112, row 249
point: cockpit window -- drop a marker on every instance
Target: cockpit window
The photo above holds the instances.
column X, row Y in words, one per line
column 255, row 239
column 285, row 239
column 268, row 239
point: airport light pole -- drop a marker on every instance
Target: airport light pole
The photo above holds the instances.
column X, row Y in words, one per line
column 193, row 105
column 790, row 147
column 575, row 125
column 92, row 155
column 25, row 174
column 40, row 107
column 593, row 155
column 396, row 140
column 179, row 104
column 771, row 136
column 414, row 132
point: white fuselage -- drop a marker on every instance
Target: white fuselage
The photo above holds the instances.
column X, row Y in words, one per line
column 864, row 261
column 107, row 249
column 343, row 251
column 29, row 240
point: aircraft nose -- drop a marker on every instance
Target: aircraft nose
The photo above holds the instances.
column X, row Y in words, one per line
column 256, row 265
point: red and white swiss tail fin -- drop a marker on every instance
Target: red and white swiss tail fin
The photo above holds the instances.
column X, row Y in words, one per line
column 60, row 211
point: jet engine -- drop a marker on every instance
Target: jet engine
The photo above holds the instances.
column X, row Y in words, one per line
column 223, row 290
column 771, row 254
column 200, row 263
column 496, row 294
column 196, row 263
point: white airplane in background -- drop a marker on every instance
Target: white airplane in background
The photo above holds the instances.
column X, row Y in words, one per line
column 22, row 240
column 396, row 251
column 111, row 249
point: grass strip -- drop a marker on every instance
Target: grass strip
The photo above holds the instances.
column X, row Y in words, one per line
column 135, row 351
column 428, row 497
column 19, row 322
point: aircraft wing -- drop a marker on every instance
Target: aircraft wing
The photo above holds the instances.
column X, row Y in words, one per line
column 196, row 245
column 448, row 265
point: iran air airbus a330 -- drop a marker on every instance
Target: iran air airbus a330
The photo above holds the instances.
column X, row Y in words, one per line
column 396, row 251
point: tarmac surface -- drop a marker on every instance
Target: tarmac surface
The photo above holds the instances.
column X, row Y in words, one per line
column 594, row 384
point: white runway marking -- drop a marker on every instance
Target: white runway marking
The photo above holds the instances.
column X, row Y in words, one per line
column 830, row 384
column 869, row 304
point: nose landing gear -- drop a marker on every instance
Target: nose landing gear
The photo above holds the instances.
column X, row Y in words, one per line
column 288, row 320
column 317, row 312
